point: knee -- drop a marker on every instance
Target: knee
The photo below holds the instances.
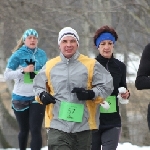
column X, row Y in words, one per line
column 35, row 131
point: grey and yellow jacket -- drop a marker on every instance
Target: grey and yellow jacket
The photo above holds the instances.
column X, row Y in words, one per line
column 62, row 75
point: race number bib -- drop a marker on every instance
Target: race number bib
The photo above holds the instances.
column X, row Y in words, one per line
column 112, row 102
column 27, row 77
column 71, row 111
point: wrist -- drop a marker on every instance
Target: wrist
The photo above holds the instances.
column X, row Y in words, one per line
column 22, row 71
column 91, row 94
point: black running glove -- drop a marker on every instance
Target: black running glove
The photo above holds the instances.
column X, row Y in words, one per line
column 47, row 98
column 83, row 94
column 32, row 74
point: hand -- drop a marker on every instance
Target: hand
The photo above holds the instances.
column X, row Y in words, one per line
column 123, row 95
column 122, row 100
column 124, row 92
column 105, row 105
column 83, row 94
column 30, row 62
column 32, row 75
column 30, row 68
column 47, row 98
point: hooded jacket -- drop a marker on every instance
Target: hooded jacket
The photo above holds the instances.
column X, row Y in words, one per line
column 62, row 76
column 17, row 62
column 117, row 70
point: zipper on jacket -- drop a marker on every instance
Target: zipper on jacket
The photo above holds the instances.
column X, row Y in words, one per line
column 68, row 75
column 67, row 61
column 107, row 66
column 35, row 58
column 70, row 129
column 35, row 62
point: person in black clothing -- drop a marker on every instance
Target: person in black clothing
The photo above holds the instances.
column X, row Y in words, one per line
column 107, row 137
column 143, row 75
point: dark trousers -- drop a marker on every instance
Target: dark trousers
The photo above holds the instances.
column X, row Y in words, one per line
column 30, row 120
column 59, row 140
column 106, row 139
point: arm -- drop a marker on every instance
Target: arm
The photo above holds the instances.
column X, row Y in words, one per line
column 45, row 58
column 143, row 80
column 11, row 71
column 102, row 81
column 41, row 90
column 39, row 82
column 123, row 83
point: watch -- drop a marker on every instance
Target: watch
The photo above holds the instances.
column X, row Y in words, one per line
column 22, row 71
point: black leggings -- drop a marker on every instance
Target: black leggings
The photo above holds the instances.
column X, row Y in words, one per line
column 30, row 119
column 106, row 139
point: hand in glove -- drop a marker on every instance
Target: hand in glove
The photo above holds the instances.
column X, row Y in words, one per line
column 30, row 62
column 122, row 100
column 47, row 98
column 32, row 74
column 83, row 94
column 105, row 105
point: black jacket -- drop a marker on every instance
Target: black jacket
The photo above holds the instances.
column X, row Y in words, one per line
column 143, row 75
column 118, row 71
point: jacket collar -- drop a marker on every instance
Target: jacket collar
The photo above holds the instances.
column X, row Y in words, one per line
column 27, row 49
column 100, row 58
column 73, row 58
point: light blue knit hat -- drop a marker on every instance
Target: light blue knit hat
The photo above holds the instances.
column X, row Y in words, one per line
column 30, row 32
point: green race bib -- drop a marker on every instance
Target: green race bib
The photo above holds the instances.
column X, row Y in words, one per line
column 27, row 77
column 112, row 102
column 71, row 111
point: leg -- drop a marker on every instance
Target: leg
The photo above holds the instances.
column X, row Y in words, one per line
column 96, row 140
column 59, row 140
column 110, row 138
column 84, row 140
column 23, row 121
column 36, row 116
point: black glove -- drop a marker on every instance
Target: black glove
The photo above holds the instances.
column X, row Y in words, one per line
column 32, row 74
column 30, row 62
column 83, row 94
column 47, row 98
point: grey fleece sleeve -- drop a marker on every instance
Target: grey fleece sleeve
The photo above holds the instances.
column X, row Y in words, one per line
column 10, row 74
column 102, row 81
column 39, row 82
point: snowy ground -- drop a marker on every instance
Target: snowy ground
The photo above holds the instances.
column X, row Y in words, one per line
column 124, row 146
